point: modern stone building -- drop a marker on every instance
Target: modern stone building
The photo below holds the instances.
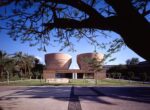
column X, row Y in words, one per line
column 57, row 66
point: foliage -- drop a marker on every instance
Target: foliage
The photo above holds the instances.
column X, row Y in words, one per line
column 18, row 65
column 33, row 21
column 130, row 72
column 132, row 61
column 37, row 69
column 144, row 76
column 95, row 64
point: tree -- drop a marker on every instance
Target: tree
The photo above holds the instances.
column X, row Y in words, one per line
column 3, row 56
column 37, row 69
column 132, row 61
column 32, row 20
column 119, row 71
column 131, row 75
column 144, row 76
column 95, row 65
column 3, row 63
column 6, row 65
column 29, row 61
column 20, row 63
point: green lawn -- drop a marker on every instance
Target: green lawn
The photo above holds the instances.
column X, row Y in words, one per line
column 77, row 82
column 108, row 82
column 23, row 83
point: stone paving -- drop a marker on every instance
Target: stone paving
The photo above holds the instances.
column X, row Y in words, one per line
column 74, row 98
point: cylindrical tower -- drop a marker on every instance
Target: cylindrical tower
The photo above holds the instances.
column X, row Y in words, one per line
column 57, row 61
column 83, row 59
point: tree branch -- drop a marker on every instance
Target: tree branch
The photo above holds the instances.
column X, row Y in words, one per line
column 146, row 13
column 107, row 24
column 96, row 20
column 67, row 23
column 4, row 3
column 120, row 6
column 81, row 6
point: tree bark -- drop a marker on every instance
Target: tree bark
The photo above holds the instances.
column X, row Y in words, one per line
column 136, row 38
column 132, row 27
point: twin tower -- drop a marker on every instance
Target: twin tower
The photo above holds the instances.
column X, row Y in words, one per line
column 61, row 61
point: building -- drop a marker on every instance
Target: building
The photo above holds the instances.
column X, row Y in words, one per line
column 57, row 66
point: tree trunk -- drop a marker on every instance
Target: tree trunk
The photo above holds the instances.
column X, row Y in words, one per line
column 29, row 72
column 21, row 75
column 36, row 77
column 30, row 77
column 7, row 77
column 136, row 38
column 132, row 26
column 25, row 69
column 96, row 78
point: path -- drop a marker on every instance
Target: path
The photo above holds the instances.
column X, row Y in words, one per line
column 74, row 98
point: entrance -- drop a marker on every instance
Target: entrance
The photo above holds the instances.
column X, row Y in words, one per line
column 63, row 75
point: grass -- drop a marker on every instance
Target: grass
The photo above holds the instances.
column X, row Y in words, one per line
column 77, row 82
column 23, row 83
column 108, row 82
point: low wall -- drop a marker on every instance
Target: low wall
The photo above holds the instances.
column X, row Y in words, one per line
column 57, row 80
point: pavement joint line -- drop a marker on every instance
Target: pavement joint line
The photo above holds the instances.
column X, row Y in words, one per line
column 74, row 102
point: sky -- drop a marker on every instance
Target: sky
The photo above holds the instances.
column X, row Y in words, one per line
column 10, row 46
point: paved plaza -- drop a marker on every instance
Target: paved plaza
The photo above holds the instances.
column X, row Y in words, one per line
column 74, row 98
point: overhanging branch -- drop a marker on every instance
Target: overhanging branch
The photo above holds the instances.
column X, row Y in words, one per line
column 67, row 23
column 146, row 13
column 106, row 24
column 78, row 4
column 5, row 2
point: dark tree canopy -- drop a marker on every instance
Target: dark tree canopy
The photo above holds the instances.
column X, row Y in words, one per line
column 132, row 61
column 33, row 20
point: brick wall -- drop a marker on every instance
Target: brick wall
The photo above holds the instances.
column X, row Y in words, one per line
column 100, row 75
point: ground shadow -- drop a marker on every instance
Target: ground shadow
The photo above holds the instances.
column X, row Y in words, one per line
column 76, row 94
column 138, row 94
column 1, row 108
column 59, row 93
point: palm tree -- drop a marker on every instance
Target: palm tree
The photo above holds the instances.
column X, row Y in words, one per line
column 38, row 69
column 3, row 57
column 6, row 65
column 29, row 60
column 19, row 59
